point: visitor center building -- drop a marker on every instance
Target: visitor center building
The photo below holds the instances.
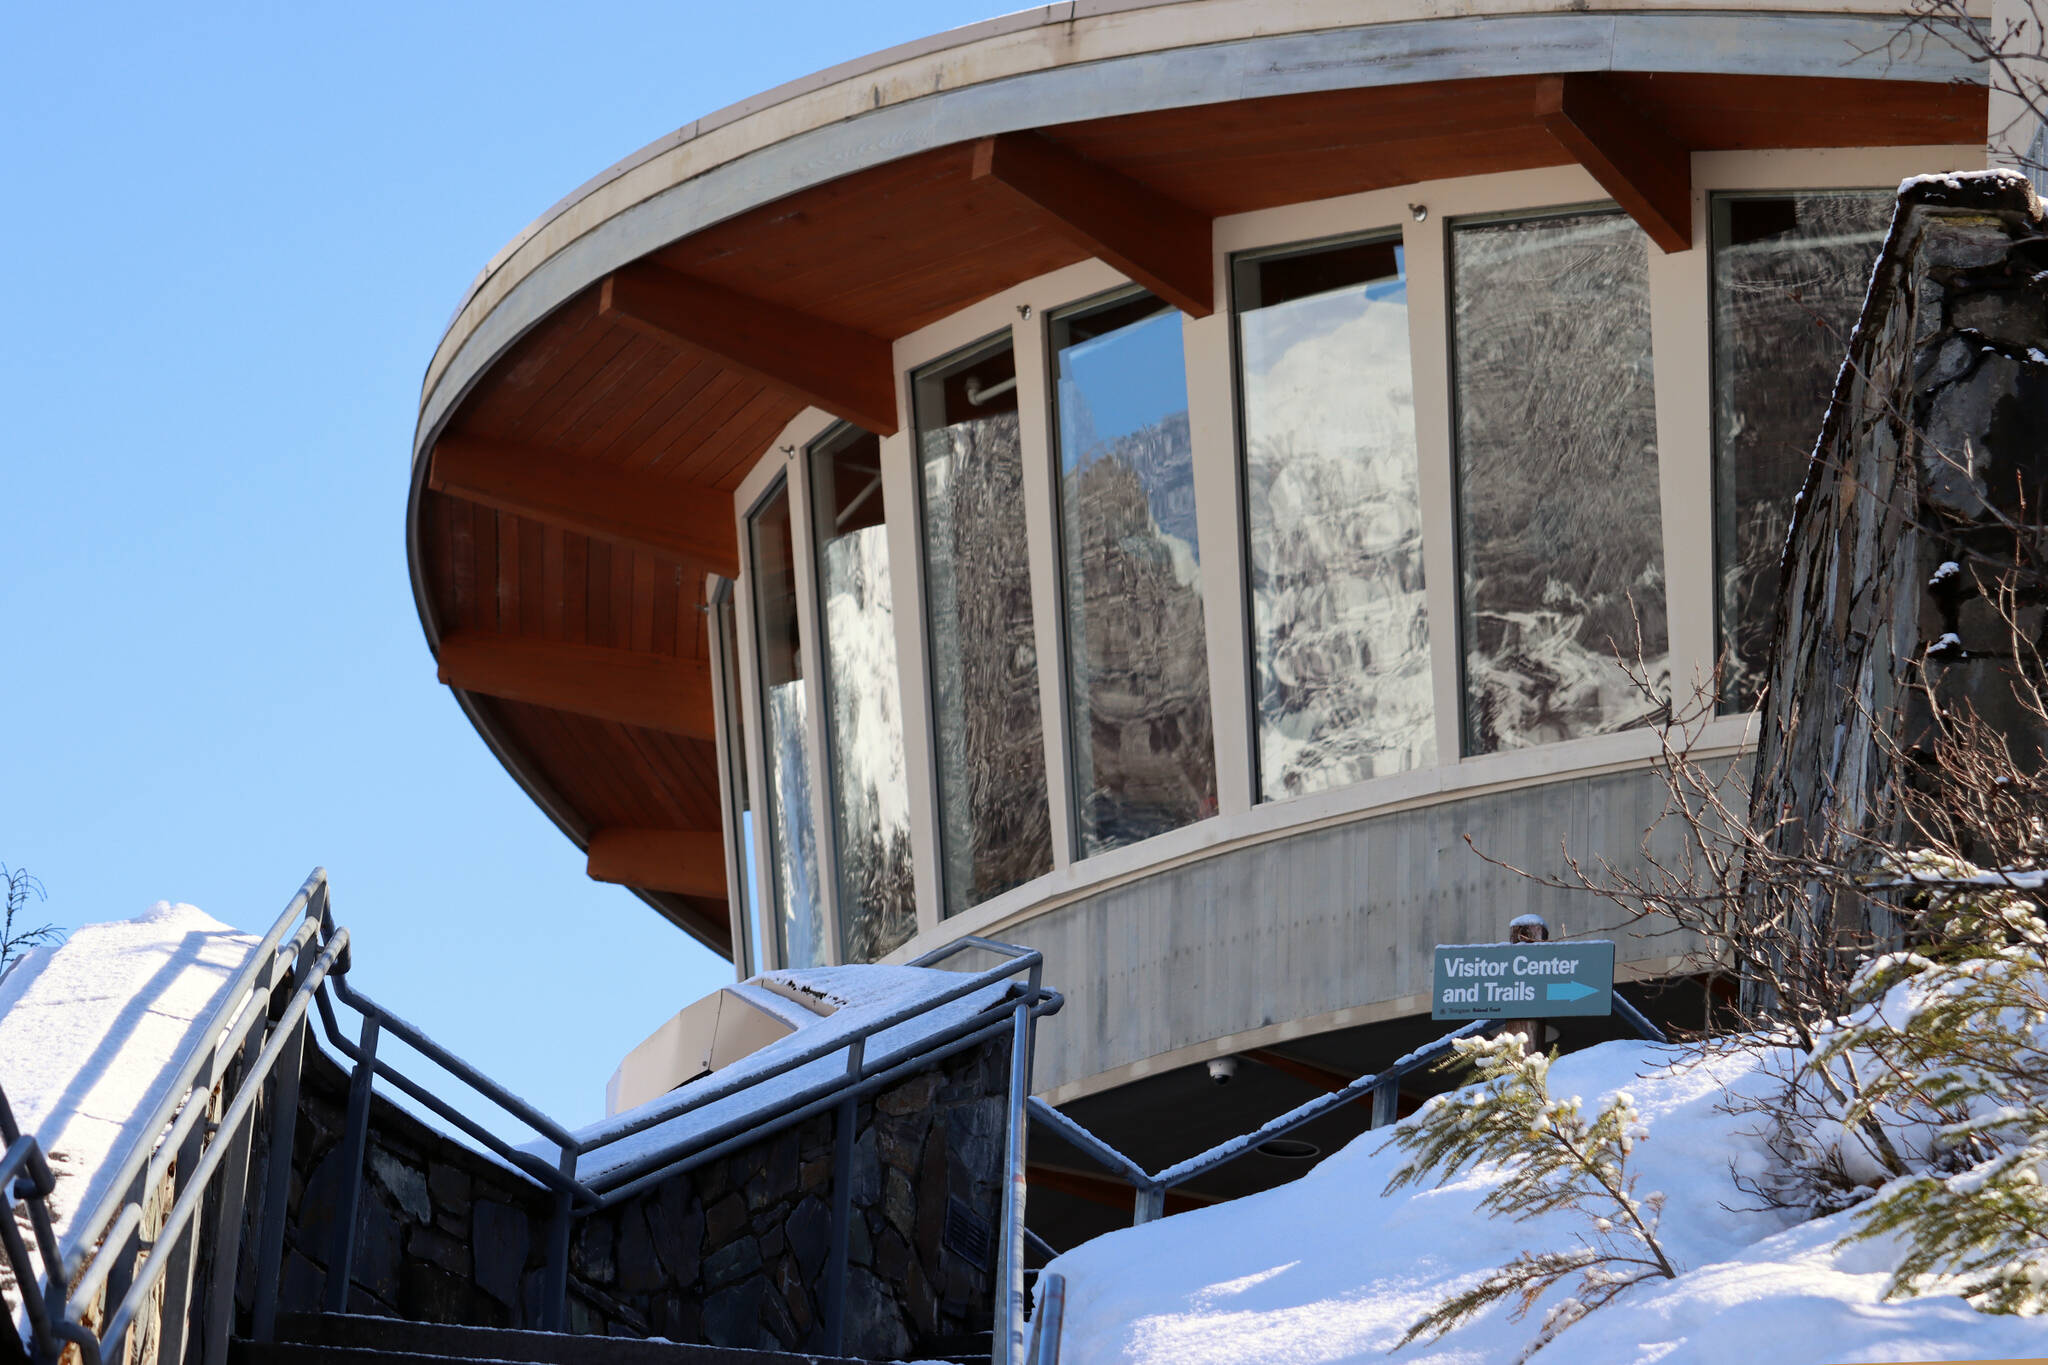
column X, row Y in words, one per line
column 1194, row 488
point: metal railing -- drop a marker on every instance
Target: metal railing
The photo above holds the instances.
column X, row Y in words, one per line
column 145, row 1266
column 1149, row 1187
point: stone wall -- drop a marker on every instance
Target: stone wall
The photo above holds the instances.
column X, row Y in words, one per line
column 734, row 1253
column 1935, row 444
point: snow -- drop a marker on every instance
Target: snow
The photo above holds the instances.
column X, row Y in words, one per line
column 851, row 998
column 92, row 1033
column 1325, row 1270
column 1944, row 571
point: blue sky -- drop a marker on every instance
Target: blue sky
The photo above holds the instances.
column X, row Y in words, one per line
column 233, row 235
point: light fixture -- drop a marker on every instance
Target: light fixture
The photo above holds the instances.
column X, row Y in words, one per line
column 1420, row 212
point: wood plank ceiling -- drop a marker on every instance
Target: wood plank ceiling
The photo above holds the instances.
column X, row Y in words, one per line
column 599, row 417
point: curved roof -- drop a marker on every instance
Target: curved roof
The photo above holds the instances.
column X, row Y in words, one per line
column 604, row 385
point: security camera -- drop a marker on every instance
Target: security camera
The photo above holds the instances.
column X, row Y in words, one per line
column 1223, row 1070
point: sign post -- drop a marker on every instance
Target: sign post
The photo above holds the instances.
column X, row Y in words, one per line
column 1523, row 980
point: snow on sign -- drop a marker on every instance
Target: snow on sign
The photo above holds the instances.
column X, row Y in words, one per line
column 1522, row 980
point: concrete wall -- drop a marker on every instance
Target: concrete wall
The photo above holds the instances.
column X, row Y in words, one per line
column 733, row 1253
column 1325, row 929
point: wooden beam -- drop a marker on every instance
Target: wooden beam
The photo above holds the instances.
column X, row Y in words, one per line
column 1160, row 242
column 850, row 374
column 684, row 522
column 1647, row 171
column 1106, row 1190
column 657, row 691
column 687, row 862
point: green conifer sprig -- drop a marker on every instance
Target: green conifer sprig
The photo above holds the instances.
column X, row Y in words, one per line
column 1954, row 1043
column 1555, row 1159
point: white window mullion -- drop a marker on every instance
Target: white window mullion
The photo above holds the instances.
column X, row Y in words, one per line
column 1048, row 611
column 1219, row 519
column 903, row 510
column 1426, row 254
column 811, row 635
column 1681, row 354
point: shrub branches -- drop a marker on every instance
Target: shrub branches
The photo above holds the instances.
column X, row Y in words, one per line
column 1557, row 1160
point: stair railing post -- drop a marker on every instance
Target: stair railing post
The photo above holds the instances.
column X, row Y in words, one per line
column 277, row 1173
column 354, row 1141
column 1009, row 1306
column 1386, row 1103
column 554, row 1296
column 225, row 1255
column 1148, row 1204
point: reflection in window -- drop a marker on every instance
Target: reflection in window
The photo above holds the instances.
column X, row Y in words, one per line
column 1790, row 272
column 1340, row 633
column 792, row 843
column 1559, row 533
column 994, row 825
column 1137, row 652
column 870, row 792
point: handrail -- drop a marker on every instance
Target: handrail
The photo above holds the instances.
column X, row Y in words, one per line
column 143, row 1272
column 1151, row 1186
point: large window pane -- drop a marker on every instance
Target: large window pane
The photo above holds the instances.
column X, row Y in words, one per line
column 870, row 793
column 994, row 825
column 1559, row 534
column 1340, row 632
column 1137, row 652
column 1790, row 271
column 792, row 842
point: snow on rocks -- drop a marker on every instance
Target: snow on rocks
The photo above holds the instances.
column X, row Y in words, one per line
column 93, row 1030
column 1326, row 1270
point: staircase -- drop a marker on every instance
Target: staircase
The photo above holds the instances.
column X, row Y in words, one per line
column 150, row 1271
column 350, row 1339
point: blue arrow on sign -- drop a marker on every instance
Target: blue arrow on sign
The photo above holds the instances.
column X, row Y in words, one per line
column 1566, row 990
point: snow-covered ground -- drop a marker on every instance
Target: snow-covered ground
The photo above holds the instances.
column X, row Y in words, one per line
column 92, row 1032
column 1325, row 1270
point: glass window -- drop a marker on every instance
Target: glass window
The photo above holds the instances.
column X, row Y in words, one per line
column 1790, row 272
column 1340, row 630
column 994, row 825
column 870, row 792
column 1560, row 539
column 1137, row 652
column 792, row 843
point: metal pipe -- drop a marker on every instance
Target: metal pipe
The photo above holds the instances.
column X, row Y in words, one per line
column 1637, row 1020
column 742, row 1134
column 355, row 1140
column 88, row 1231
column 182, row 1212
column 1223, row 1152
column 722, row 1088
column 277, row 1175
column 1046, row 1322
column 818, row 1095
column 454, row 1065
column 1009, row 1335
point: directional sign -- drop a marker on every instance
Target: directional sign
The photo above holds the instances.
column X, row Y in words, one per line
column 1522, row 980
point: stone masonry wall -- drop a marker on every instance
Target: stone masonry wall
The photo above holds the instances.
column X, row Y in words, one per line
column 734, row 1253
column 1935, row 443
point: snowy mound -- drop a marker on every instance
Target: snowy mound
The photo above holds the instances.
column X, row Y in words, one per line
column 1325, row 1269
column 92, row 1033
